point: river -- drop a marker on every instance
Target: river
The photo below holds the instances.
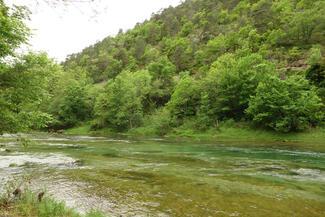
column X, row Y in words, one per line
column 161, row 177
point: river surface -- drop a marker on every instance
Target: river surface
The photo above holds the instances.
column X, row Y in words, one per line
column 157, row 177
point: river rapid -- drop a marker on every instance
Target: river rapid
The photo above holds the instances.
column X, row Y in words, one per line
column 158, row 177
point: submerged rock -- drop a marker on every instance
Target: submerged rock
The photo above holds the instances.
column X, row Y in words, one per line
column 50, row 160
column 311, row 174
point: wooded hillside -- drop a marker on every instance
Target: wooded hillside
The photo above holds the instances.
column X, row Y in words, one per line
column 197, row 65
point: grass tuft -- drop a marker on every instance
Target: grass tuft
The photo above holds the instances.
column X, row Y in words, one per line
column 28, row 205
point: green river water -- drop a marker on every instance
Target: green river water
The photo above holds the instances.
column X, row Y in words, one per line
column 156, row 177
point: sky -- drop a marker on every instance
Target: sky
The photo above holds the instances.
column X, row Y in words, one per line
column 64, row 29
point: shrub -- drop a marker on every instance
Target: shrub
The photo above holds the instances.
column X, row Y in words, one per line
column 160, row 121
column 315, row 55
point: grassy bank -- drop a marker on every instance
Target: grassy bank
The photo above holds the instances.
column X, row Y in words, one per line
column 255, row 135
column 223, row 133
column 28, row 205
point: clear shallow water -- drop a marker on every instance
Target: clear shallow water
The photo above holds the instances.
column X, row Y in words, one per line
column 157, row 177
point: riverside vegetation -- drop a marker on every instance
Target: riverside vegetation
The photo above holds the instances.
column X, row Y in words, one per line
column 27, row 204
column 192, row 67
column 208, row 69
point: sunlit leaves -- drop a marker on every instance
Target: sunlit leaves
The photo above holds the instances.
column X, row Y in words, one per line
column 13, row 31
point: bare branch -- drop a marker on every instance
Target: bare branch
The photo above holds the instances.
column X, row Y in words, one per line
column 95, row 6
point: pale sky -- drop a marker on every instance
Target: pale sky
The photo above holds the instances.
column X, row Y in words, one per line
column 67, row 29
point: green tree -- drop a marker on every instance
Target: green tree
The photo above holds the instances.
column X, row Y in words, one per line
column 74, row 107
column 71, row 103
column 180, row 52
column 303, row 19
column 162, row 72
column 13, row 30
column 185, row 100
column 25, row 86
column 24, row 81
column 139, row 49
column 152, row 32
column 113, row 68
column 231, row 82
column 285, row 105
column 121, row 106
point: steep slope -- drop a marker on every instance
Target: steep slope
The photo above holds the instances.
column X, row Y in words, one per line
column 207, row 61
column 195, row 33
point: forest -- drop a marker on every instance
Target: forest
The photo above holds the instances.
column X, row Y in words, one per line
column 202, row 64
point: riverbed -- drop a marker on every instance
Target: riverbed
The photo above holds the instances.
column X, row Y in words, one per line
column 161, row 177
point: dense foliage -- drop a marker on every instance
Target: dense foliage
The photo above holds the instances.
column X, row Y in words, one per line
column 13, row 30
column 24, row 80
column 200, row 63
column 122, row 104
column 285, row 105
column 24, row 88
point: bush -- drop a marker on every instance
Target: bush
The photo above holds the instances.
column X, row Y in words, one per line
column 75, row 107
column 160, row 122
column 294, row 54
column 156, row 124
column 285, row 105
column 162, row 71
column 315, row 55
